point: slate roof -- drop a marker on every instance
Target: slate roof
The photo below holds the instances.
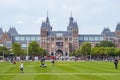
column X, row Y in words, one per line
column 118, row 27
column 105, row 30
column 110, row 34
column 1, row 31
column 12, row 31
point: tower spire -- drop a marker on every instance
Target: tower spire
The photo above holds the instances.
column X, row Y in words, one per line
column 47, row 19
column 71, row 14
column 71, row 18
column 47, row 13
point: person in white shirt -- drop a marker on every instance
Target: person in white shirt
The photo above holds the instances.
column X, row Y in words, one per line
column 21, row 67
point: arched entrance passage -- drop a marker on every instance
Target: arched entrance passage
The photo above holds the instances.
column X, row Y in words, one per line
column 59, row 53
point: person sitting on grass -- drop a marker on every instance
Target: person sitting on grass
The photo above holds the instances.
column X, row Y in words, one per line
column 43, row 63
column 53, row 62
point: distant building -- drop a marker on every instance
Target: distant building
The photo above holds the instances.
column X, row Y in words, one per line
column 58, row 42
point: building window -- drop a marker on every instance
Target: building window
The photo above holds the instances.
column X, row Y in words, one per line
column 66, row 39
column 23, row 45
column 81, row 38
column 59, row 39
column 96, row 38
column 59, row 34
column 52, row 39
column 91, row 38
column 70, row 38
column 101, row 38
column 38, row 38
column 75, row 40
column 86, row 38
column 22, row 38
column 27, row 38
column 17, row 38
column 48, row 39
column 32, row 38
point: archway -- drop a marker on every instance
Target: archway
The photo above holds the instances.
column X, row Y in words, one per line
column 59, row 53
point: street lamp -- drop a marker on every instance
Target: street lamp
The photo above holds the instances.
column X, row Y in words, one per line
column 27, row 51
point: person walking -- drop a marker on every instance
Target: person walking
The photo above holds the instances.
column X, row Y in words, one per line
column 116, row 63
column 21, row 67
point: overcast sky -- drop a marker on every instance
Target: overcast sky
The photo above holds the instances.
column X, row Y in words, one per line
column 92, row 16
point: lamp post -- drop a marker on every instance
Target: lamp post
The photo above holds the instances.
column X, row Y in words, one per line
column 27, row 51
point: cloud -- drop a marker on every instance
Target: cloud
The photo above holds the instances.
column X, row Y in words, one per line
column 14, row 4
column 8, row 2
column 70, row 7
column 40, row 20
column 20, row 18
column 19, row 22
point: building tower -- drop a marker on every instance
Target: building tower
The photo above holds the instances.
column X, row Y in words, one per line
column 73, row 28
column 117, row 35
column 45, row 28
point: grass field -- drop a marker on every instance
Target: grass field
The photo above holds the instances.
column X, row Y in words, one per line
column 61, row 71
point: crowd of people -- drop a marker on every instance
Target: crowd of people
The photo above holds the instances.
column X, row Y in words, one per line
column 43, row 64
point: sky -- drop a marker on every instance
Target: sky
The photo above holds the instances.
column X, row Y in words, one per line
column 92, row 16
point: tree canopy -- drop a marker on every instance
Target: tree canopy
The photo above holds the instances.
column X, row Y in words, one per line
column 105, row 44
column 85, row 48
column 35, row 49
column 16, row 49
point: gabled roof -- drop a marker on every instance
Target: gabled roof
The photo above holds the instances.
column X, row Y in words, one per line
column 12, row 31
column 44, row 25
column 118, row 27
column 110, row 34
column 1, row 31
column 105, row 30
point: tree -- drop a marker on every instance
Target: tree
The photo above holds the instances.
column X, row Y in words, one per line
column 110, row 51
column 95, row 51
column 33, row 48
column 42, row 51
column 72, row 53
column 105, row 44
column 77, row 52
column 117, row 51
column 4, row 51
column 85, row 49
column 16, row 49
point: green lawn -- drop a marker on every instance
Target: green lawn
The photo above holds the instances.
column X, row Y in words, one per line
column 61, row 71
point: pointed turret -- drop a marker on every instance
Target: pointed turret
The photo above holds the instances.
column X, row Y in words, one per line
column 71, row 20
column 12, row 31
column 44, row 25
column 118, row 27
column 117, row 31
column 72, row 24
column 47, row 19
column 1, row 31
